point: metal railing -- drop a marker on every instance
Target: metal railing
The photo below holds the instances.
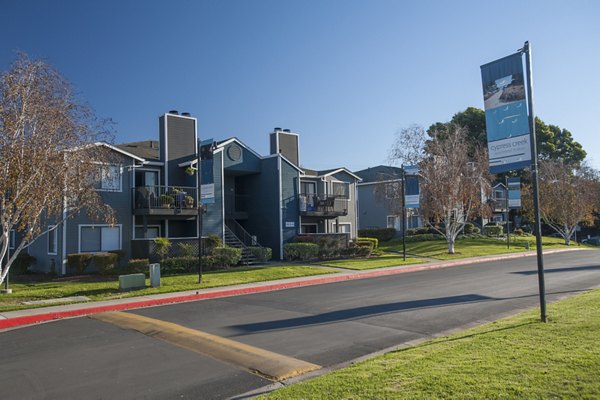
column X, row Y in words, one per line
column 322, row 204
column 152, row 197
column 239, row 232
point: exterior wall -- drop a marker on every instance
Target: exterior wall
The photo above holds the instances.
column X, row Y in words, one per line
column 290, row 207
column 372, row 211
column 351, row 217
column 45, row 262
column 213, row 219
column 286, row 143
column 178, row 134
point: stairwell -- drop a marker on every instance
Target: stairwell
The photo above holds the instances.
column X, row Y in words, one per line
column 232, row 240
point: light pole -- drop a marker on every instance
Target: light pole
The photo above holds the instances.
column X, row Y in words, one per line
column 403, row 214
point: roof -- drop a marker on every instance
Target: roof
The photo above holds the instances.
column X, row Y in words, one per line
column 146, row 149
column 379, row 173
column 327, row 172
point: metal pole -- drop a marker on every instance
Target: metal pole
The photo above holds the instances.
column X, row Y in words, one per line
column 403, row 215
column 534, row 178
column 507, row 215
column 200, row 211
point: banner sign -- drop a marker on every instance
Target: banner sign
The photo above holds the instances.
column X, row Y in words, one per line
column 207, row 180
column 514, row 192
column 411, row 186
column 506, row 117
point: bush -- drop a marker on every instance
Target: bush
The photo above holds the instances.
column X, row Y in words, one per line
column 300, row 251
column 162, row 246
column 364, row 248
column 383, row 234
column 329, row 247
column 227, row 256
column 105, row 262
column 368, row 239
column 79, row 261
column 187, row 250
column 139, row 265
column 493, row 230
column 518, row 232
column 263, row 254
column 469, row 228
column 178, row 265
column 212, row 242
column 22, row 263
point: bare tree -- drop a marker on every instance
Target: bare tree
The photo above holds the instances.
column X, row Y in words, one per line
column 453, row 186
column 408, row 147
column 48, row 157
column 568, row 196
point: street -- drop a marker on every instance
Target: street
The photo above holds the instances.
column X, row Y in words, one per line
column 322, row 325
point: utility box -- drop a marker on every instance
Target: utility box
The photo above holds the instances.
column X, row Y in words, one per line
column 154, row 275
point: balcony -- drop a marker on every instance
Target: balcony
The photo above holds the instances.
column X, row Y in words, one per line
column 165, row 201
column 324, row 206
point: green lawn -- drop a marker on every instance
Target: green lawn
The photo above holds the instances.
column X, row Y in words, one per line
column 104, row 288
column 438, row 249
column 387, row 260
column 514, row 358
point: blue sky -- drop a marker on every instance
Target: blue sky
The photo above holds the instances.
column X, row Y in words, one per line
column 344, row 74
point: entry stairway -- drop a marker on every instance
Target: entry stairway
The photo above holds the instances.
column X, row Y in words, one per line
column 237, row 236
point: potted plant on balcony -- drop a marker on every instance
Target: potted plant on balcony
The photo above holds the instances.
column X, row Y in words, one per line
column 166, row 200
column 189, row 201
column 190, row 171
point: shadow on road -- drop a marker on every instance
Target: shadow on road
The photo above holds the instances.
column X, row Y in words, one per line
column 567, row 269
column 359, row 312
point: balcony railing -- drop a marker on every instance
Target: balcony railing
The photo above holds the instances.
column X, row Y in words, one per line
column 320, row 205
column 164, row 200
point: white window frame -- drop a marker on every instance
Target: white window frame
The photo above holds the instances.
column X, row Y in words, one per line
column 347, row 184
column 99, row 226
column 52, row 233
column 149, row 226
column 344, row 223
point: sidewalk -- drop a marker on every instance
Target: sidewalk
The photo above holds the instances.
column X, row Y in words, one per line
column 12, row 319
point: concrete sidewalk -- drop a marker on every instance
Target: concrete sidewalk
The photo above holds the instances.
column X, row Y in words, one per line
column 12, row 319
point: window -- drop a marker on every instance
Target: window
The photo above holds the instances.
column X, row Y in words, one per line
column 152, row 232
column 52, row 240
column 393, row 222
column 340, row 189
column 344, row 228
column 95, row 238
column 11, row 240
column 308, row 188
column 110, row 178
column 308, row 228
column 413, row 221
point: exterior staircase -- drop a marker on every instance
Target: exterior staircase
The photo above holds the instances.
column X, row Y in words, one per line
column 237, row 236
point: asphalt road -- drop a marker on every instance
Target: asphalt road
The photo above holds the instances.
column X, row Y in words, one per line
column 84, row 358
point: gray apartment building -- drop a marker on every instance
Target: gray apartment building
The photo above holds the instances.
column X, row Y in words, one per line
column 257, row 200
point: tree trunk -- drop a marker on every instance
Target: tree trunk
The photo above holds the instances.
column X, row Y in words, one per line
column 451, row 245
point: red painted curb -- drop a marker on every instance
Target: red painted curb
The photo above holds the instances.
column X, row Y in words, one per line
column 33, row 319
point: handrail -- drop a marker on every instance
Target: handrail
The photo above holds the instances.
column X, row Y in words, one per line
column 243, row 236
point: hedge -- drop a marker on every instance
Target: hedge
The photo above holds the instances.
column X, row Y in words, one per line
column 79, row 261
column 137, row 265
column 300, row 251
column 105, row 262
column 22, row 263
column 263, row 254
column 226, row 256
column 368, row 239
column 424, row 238
column 493, row 230
column 383, row 234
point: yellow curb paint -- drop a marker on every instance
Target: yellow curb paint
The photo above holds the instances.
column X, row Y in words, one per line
column 272, row 366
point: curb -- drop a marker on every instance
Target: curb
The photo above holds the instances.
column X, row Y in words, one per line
column 260, row 288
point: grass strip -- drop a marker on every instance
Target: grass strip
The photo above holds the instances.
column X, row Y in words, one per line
column 513, row 358
column 105, row 288
column 387, row 260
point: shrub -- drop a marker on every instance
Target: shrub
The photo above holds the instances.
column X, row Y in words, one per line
column 300, row 251
column 365, row 248
column 383, row 234
column 212, row 242
column 518, row 231
column 162, row 246
column 105, row 262
column 187, row 250
column 22, row 263
column 79, row 261
column 227, row 256
column 263, row 254
column 329, row 247
column 469, row 228
column 137, row 265
column 368, row 239
column 492, row 230
column 178, row 265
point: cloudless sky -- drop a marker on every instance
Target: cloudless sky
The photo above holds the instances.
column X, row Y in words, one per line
column 344, row 74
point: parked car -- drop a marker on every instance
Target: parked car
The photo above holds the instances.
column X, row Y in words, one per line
column 594, row 241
